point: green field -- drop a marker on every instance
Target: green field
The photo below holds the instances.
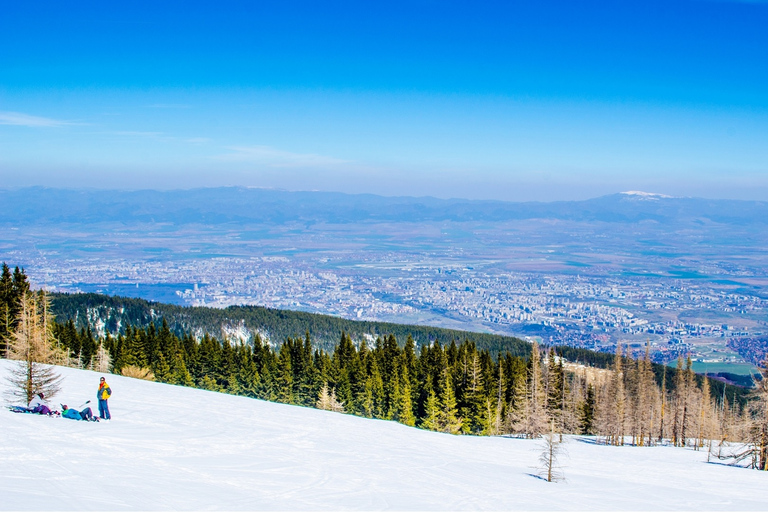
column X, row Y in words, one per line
column 735, row 368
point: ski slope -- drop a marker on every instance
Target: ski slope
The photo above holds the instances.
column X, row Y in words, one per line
column 176, row 448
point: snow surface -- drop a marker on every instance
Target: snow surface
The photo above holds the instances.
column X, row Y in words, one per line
column 171, row 447
column 646, row 195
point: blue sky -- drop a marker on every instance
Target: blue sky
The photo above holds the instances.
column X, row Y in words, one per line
column 514, row 100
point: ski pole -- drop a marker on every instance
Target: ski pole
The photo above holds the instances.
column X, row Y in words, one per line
column 83, row 405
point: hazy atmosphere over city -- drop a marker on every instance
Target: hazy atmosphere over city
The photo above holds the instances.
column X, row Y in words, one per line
column 533, row 221
column 502, row 100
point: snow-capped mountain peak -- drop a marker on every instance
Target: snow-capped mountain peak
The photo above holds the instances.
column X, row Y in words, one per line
column 645, row 196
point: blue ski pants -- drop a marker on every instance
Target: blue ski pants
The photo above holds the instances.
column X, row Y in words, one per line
column 104, row 410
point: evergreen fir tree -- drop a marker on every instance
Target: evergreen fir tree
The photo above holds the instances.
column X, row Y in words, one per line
column 285, row 376
column 519, row 409
column 450, row 422
column 7, row 300
column 248, row 374
column 376, row 386
column 405, row 407
column 586, row 425
column 476, row 410
column 361, row 401
column 162, row 369
column 431, row 419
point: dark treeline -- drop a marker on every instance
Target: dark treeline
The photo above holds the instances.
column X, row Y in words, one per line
column 274, row 325
column 13, row 285
column 456, row 388
column 116, row 313
column 76, row 335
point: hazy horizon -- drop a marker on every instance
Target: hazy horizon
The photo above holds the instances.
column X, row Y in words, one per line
column 637, row 193
column 546, row 101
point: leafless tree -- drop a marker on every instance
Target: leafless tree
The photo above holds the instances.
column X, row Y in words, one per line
column 33, row 346
column 328, row 401
column 549, row 466
column 103, row 359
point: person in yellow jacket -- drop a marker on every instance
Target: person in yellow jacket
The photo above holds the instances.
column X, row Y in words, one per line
column 103, row 395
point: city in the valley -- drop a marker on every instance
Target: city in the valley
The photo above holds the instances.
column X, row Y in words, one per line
column 582, row 283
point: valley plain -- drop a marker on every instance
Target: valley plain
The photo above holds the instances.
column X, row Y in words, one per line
column 687, row 276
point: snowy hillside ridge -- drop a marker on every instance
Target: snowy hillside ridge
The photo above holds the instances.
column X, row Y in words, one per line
column 171, row 447
column 645, row 196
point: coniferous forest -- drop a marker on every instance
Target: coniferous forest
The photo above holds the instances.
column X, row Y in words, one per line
column 454, row 387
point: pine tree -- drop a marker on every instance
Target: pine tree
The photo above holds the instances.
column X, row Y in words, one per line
column 324, row 398
column 618, row 401
column 705, row 414
column 285, row 376
column 431, row 419
column 450, row 422
column 328, row 401
column 537, row 420
column 759, row 420
column 248, row 373
column 549, row 467
column 555, row 384
column 412, row 365
column 496, row 425
column 377, row 388
column 663, row 407
column 520, row 407
column 677, row 437
column 688, row 402
column 587, row 419
column 405, row 406
column 161, row 369
column 7, row 302
column 476, row 408
column 336, row 406
column 103, row 360
column 33, row 346
column 209, row 383
column 645, row 399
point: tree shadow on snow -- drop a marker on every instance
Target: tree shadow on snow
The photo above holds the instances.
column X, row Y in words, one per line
column 589, row 440
column 727, row 464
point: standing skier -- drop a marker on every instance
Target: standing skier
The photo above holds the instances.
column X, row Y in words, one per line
column 103, row 395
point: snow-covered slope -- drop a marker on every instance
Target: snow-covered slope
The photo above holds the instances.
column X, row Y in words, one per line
column 176, row 448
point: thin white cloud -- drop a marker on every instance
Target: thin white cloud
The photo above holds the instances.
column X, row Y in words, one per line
column 278, row 158
column 161, row 136
column 169, row 105
column 154, row 135
column 21, row 119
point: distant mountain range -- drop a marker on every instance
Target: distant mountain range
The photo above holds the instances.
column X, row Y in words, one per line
column 238, row 205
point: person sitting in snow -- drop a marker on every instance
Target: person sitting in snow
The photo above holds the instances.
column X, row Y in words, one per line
column 38, row 405
column 73, row 414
